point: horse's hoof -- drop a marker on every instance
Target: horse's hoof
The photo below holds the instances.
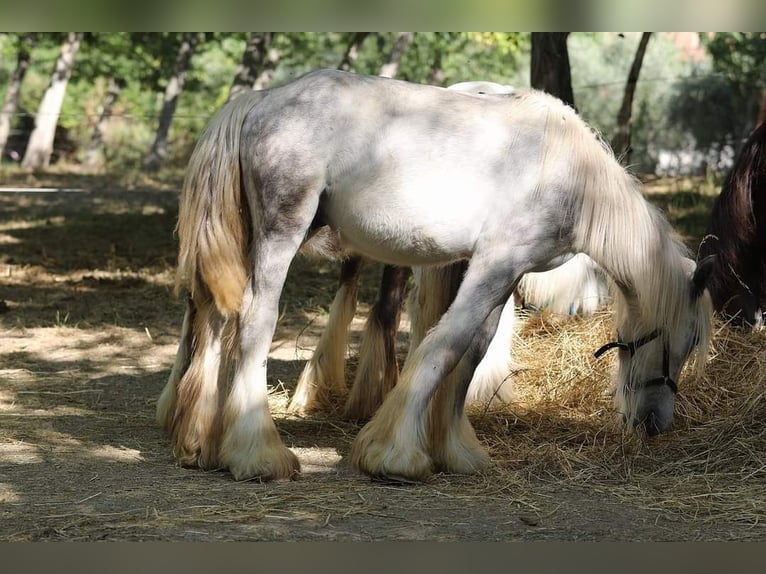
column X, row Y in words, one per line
column 275, row 464
column 462, row 461
column 386, row 460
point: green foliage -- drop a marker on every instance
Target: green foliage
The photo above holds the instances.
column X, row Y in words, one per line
column 664, row 108
column 711, row 111
column 463, row 56
column 678, row 103
column 740, row 56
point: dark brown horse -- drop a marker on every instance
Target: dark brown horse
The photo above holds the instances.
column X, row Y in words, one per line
column 737, row 237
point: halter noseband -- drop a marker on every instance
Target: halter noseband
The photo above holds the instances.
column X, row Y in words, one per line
column 633, row 346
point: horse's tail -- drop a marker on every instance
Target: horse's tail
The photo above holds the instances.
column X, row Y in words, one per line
column 577, row 287
column 214, row 225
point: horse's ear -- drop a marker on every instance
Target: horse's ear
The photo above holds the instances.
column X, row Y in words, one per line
column 701, row 275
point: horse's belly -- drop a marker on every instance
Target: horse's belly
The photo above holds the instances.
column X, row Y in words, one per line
column 405, row 229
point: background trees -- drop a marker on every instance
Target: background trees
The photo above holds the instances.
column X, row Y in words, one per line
column 138, row 100
column 24, row 43
column 40, row 146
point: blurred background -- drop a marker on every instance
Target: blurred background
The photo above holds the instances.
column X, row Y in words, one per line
column 670, row 103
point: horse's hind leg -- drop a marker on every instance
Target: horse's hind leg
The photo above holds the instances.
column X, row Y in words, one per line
column 323, row 377
column 166, row 404
column 377, row 370
column 189, row 405
column 251, row 446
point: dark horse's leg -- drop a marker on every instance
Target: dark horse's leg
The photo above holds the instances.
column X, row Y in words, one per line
column 323, row 377
column 378, row 370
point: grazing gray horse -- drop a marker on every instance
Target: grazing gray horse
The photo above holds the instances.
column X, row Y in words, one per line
column 577, row 287
column 410, row 175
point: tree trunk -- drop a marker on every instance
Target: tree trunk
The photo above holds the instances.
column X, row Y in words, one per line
column 550, row 65
column 40, row 146
column 267, row 74
column 352, row 51
column 175, row 86
column 621, row 140
column 94, row 156
column 436, row 75
column 254, row 60
column 391, row 67
column 11, row 104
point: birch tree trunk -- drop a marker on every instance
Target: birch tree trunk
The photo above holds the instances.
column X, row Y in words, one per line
column 175, row 86
column 621, row 140
column 550, row 65
column 253, row 64
column 267, row 73
column 391, row 67
column 94, row 156
column 436, row 74
column 40, row 146
column 352, row 51
column 11, row 103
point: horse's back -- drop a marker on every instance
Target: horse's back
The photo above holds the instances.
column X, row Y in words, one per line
column 408, row 173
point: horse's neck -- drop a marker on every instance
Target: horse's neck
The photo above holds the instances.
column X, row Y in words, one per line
column 632, row 241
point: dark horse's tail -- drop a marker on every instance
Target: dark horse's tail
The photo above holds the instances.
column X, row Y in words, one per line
column 737, row 235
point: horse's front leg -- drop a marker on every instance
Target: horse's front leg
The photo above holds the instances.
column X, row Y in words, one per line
column 492, row 376
column 394, row 443
column 453, row 442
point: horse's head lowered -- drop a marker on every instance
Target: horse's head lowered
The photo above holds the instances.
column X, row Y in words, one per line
column 650, row 362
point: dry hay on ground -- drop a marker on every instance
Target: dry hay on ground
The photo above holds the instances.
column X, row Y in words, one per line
column 563, row 428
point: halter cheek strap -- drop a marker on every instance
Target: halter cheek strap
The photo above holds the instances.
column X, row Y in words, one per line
column 633, row 346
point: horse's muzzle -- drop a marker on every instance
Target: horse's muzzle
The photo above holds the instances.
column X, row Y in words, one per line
column 652, row 423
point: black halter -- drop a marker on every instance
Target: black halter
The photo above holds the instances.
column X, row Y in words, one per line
column 633, row 346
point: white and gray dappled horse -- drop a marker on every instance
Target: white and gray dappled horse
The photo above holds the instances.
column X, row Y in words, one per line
column 575, row 287
column 410, row 175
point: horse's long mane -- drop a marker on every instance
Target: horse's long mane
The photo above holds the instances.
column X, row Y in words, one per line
column 621, row 230
column 733, row 233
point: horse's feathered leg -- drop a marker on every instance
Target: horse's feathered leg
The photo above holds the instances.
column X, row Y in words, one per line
column 453, row 443
column 190, row 402
column 492, row 376
column 454, row 446
column 394, row 443
column 323, row 377
column 377, row 370
column 167, row 401
column 435, row 289
column 251, row 446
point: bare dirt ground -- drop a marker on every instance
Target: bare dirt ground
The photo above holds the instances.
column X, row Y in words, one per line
column 88, row 332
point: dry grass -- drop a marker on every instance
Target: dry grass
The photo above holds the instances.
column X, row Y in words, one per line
column 88, row 336
column 564, row 429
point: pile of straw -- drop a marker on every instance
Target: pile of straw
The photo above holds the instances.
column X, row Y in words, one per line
column 564, row 427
